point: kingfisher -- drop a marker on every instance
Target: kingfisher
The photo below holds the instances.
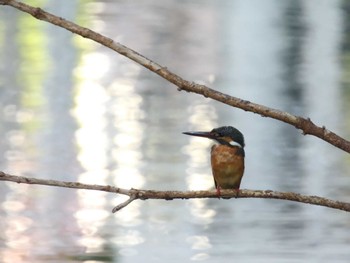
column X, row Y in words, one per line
column 227, row 156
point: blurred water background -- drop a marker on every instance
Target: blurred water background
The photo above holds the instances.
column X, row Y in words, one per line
column 73, row 110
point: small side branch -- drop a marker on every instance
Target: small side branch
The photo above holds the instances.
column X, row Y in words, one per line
column 170, row 195
column 124, row 204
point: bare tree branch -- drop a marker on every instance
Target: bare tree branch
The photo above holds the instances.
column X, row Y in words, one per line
column 135, row 194
column 304, row 124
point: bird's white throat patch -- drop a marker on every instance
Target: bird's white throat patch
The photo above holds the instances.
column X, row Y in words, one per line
column 233, row 143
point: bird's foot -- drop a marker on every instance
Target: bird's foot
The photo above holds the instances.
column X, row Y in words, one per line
column 218, row 191
column 237, row 192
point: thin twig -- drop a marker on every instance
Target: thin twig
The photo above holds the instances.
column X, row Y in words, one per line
column 124, row 204
column 304, row 124
column 170, row 195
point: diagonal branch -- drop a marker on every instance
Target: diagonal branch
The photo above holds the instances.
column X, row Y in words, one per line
column 304, row 124
column 170, row 195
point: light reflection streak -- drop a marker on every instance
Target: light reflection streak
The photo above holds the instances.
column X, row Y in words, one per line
column 90, row 114
column 110, row 138
column 127, row 119
column 94, row 66
column 202, row 117
column 91, row 138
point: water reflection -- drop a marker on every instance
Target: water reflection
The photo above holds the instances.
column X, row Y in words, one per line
column 118, row 124
column 90, row 113
column 15, row 146
column 127, row 118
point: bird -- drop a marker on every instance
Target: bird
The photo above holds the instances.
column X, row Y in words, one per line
column 227, row 156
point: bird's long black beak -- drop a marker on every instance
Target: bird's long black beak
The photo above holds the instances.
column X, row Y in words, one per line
column 201, row 134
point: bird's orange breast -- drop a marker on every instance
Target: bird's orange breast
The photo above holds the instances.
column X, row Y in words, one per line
column 227, row 165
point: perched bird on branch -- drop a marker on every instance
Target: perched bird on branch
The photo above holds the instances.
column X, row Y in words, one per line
column 227, row 156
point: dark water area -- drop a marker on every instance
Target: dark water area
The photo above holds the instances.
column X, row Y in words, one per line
column 73, row 110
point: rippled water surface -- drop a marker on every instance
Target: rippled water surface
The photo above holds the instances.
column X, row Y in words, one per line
column 73, row 110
